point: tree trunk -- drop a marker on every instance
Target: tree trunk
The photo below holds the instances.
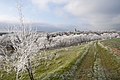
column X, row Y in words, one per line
column 17, row 76
column 29, row 69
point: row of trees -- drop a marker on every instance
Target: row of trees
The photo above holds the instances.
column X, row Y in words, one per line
column 45, row 40
column 49, row 41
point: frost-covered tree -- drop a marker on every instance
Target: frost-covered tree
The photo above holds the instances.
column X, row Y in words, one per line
column 19, row 48
column 25, row 46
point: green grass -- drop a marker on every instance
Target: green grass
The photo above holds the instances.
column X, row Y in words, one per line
column 62, row 60
column 7, row 76
column 85, row 68
column 60, row 65
column 113, row 43
column 109, row 63
column 107, row 68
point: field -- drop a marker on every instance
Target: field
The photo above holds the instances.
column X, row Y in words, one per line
column 97, row 60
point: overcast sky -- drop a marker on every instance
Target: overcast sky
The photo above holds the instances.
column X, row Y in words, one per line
column 98, row 13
